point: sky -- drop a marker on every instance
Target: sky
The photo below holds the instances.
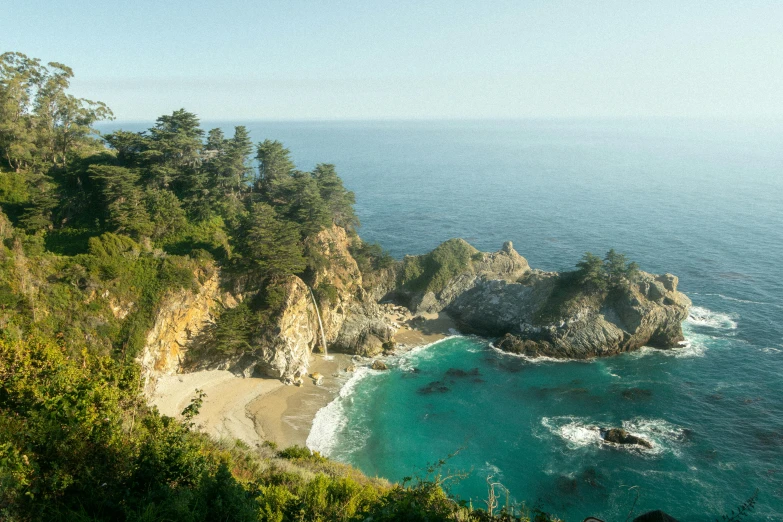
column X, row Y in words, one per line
column 366, row 59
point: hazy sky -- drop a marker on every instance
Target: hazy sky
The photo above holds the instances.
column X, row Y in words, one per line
column 368, row 59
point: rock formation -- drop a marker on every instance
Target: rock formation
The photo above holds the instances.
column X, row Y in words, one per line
column 620, row 436
column 353, row 322
column 647, row 312
column 537, row 313
column 534, row 313
column 180, row 318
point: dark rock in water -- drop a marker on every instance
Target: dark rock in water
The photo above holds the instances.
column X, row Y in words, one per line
column 566, row 485
column 478, row 380
column 620, row 436
column 768, row 438
column 686, row 435
column 591, row 476
column 379, row 365
column 434, row 387
column 637, row 394
column 456, row 372
column 655, row 516
column 389, row 347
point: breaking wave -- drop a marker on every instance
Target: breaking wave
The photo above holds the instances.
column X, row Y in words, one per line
column 703, row 317
column 330, row 420
column 578, row 432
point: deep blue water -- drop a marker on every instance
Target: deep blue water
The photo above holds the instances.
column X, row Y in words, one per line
column 703, row 200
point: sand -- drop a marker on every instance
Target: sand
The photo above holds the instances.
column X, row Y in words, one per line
column 255, row 409
column 285, row 415
column 223, row 413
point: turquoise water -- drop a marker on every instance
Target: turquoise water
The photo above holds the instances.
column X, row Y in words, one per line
column 703, row 200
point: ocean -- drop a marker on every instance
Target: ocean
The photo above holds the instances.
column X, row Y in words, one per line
column 700, row 199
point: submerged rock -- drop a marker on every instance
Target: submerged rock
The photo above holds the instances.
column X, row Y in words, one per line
column 456, row 372
column 620, row 436
column 434, row 387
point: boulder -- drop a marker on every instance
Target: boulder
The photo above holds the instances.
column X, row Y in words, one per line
column 620, row 436
column 379, row 365
column 365, row 331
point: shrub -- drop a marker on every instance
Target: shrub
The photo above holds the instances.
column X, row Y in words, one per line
column 431, row 272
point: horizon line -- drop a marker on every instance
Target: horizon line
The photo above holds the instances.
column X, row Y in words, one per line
column 776, row 118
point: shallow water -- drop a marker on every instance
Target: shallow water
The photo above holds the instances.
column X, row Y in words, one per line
column 703, row 200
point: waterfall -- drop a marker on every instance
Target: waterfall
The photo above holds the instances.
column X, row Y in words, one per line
column 320, row 323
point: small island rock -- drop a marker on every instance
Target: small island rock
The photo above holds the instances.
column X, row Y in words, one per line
column 620, row 436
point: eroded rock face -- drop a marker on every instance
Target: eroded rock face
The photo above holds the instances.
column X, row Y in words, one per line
column 647, row 313
column 283, row 351
column 365, row 331
column 499, row 295
column 340, row 273
column 181, row 316
column 505, row 265
column 352, row 322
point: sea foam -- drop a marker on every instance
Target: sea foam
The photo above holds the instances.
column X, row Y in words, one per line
column 330, row 420
column 579, row 432
column 703, row 317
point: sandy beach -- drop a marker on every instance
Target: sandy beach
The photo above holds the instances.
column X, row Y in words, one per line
column 256, row 409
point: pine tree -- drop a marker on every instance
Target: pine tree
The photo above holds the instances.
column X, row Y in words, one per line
column 271, row 244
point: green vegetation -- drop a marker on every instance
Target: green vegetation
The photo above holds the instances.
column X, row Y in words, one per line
column 430, row 272
column 370, row 257
column 613, row 271
column 77, row 442
column 588, row 285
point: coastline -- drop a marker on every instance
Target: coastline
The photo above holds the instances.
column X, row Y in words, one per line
column 255, row 409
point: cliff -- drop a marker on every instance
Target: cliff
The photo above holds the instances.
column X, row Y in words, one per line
column 183, row 337
column 181, row 317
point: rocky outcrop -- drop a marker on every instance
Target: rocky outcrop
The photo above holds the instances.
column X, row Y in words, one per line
column 620, row 436
column 366, row 330
column 453, row 269
column 352, row 322
column 537, row 313
column 283, row 351
column 338, row 282
column 648, row 312
column 181, row 317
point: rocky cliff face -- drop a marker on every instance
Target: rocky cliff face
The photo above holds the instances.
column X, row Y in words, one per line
column 181, row 317
column 649, row 312
column 352, row 321
column 453, row 269
column 283, row 351
column 494, row 294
